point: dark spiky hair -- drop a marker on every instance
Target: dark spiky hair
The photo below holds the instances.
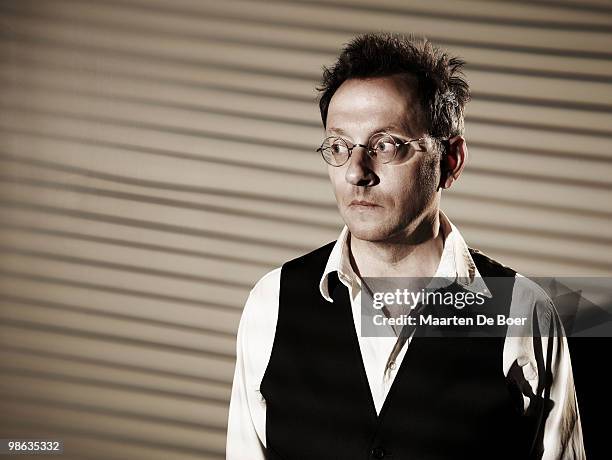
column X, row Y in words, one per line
column 441, row 88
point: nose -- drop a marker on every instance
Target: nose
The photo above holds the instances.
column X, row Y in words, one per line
column 359, row 171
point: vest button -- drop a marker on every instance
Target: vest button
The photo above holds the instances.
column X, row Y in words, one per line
column 378, row 452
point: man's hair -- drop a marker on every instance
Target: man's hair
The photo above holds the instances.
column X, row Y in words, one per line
column 441, row 88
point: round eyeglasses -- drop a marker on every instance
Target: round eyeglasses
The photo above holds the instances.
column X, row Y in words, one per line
column 381, row 147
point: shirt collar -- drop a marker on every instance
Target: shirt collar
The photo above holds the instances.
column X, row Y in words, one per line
column 456, row 262
column 339, row 261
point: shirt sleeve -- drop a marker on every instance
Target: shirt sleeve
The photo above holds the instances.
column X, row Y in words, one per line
column 563, row 431
column 247, row 410
column 540, row 349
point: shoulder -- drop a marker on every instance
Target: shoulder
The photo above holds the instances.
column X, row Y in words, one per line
column 260, row 312
column 261, row 306
column 266, row 287
column 530, row 300
column 303, row 274
column 263, row 297
column 488, row 266
column 315, row 257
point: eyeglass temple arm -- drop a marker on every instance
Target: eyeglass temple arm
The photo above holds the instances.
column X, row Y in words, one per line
column 445, row 142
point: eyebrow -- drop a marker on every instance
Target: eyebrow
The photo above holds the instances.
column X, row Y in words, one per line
column 392, row 128
column 388, row 129
column 337, row 131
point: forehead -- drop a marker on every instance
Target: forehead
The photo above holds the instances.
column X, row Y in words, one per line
column 372, row 103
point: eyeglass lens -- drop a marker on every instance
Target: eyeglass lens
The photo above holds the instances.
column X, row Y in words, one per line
column 381, row 148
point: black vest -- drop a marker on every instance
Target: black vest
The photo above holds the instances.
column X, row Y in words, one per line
column 450, row 398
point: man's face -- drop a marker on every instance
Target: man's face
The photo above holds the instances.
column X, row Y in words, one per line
column 382, row 202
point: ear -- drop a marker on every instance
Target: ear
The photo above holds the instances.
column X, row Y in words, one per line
column 453, row 161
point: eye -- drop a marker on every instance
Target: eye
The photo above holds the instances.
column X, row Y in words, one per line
column 338, row 147
column 384, row 146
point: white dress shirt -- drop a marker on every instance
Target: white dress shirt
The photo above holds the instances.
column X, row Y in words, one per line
column 246, row 435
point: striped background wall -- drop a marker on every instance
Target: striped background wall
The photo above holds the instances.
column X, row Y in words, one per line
column 157, row 158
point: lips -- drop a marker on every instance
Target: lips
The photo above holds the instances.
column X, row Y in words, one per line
column 363, row 203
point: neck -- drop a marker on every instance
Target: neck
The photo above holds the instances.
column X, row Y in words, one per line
column 414, row 255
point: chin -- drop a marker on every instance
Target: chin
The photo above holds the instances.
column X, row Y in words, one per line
column 368, row 231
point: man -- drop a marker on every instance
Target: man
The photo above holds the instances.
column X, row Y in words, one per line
column 307, row 384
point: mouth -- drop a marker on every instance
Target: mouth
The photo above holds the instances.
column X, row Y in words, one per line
column 363, row 204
